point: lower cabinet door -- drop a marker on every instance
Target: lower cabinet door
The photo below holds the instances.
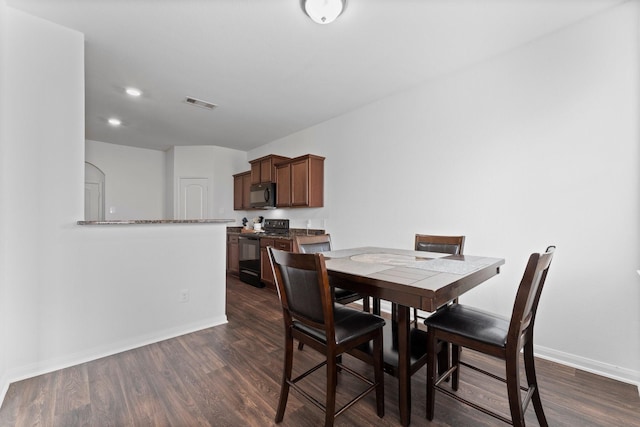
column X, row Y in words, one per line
column 266, row 275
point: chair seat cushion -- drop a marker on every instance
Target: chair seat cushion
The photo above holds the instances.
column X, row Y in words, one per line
column 349, row 324
column 472, row 323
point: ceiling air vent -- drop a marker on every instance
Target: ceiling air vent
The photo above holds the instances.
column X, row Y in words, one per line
column 200, row 103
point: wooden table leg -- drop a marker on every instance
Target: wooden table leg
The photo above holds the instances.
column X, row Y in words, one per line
column 404, row 362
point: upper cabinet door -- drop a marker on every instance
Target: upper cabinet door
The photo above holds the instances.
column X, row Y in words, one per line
column 264, row 169
column 237, row 193
column 255, row 173
column 300, row 182
column 283, row 185
column 241, row 188
column 267, row 170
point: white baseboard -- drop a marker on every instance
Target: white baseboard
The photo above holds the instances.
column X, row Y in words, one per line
column 617, row 373
column 4, row 387
column 28, row 371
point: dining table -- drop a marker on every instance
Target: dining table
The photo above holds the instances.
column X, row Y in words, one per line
column 408, row 279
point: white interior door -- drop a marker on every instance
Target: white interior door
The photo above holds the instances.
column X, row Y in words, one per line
column 94, row 180
column 93, row 202
column 194, row 198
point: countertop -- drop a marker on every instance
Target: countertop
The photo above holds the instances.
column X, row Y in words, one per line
column 292, row 232
column 157, row 221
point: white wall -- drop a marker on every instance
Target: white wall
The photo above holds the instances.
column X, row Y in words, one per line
column 134, row 180
column 537, row 146
column 75, row 293
column 218, row 164
column 144, row 184
column 36, row 164
column 4, row 304
column 168, row 191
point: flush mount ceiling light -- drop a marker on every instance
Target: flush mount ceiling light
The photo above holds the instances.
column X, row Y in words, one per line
column 114, row 122
column 132, row 91
column 323, row 11
column 199, row 103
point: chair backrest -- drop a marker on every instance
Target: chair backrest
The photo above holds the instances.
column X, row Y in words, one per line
column 312, row 244
column 527, row 298
column 303, row 287
column 453, row 245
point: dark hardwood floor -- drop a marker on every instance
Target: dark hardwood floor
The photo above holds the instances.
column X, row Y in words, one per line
column 230, row 376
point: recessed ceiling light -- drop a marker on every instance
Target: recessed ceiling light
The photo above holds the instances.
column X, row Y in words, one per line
column 133, row 91
column 115, row 122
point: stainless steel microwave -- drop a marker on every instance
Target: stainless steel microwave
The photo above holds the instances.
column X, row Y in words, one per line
column 263, row 196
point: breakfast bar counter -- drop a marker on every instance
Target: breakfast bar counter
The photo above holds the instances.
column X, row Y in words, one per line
column 156, row 221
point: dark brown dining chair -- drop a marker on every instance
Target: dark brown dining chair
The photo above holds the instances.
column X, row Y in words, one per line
column 311, row 316
column 500, row 337
column 322, row 243
column 452, row 245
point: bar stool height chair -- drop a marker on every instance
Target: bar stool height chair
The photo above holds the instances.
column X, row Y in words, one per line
column 311, row 316
column 494, row 335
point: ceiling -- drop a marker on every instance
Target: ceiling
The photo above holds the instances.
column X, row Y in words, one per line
column 269, row 68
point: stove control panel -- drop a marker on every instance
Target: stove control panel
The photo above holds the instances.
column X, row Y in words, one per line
column 276, row 225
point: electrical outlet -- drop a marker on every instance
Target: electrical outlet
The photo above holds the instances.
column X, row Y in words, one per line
column 184, row 295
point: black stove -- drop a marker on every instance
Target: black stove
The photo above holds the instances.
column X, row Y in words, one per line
column 275, row 227
column 249, row 250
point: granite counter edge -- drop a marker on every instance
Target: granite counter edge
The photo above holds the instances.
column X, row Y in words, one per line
column 157, row 221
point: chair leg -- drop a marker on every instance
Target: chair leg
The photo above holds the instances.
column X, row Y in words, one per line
column 286, row 377
column 431, row 372
column 378, row 364
column 455, row 361
column 513, row 388
column 443, row 358
column 530, row 369
column 332, row 383
column 365, row 304
column 376, row 306
column 300, row 345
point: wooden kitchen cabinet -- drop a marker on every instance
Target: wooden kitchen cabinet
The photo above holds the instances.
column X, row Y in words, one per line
column 241, row 188
column 263, row 169
column 266, row 275
column 283, row 185
column 232, row 254
column 300, row 182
